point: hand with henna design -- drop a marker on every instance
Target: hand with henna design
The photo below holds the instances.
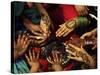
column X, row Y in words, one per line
column 33, row 61
column 79, row 54
column 65, row 28
column 20, row 46
column 56, row 61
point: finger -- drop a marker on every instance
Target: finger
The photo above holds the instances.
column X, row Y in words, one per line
column 54, row 58
column 87, row 8
column 64, row 32
column 36, row 37
column 60, row 57
column 94, row 47
column 22, row 39
column 37, row 33
column 37, row 56
column 82, row 37
column 33, row 54
column 68, row 32
column 19, row 38
column 27, row 58
column 61, row 27
column 70, row 52
column 58, row 31
column 27, row 44
column 74, row 47
column 49, row 60
column 61, row 30
column 30, row 55
column 75, row 58
column 81, row 13
column 40, row 41
column 86, row 11
column 25, row 41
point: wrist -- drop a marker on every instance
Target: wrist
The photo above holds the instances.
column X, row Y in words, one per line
column 57, row 67
column 91, row 62
column 83, row 21
column 32, row 70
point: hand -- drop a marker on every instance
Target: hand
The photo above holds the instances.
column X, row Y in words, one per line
column 65, row 28
column 45, row 24
column 79, row 54
column 38, row 40
column 20, row 46
column 56, row 61
column 33, row 61
column 87, row 34
column 92, row 35
column 35, row 29
column 82, row 10
column 39, row 33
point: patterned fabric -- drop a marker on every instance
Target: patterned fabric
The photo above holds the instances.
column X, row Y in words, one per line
column 20, row 67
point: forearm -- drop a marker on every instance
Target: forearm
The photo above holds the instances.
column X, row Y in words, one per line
column 41, row 9
column 44, row 15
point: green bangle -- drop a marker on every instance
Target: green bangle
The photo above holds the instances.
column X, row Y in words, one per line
column 81, row 21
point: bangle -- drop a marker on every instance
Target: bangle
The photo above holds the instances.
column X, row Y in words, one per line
column 83, row 21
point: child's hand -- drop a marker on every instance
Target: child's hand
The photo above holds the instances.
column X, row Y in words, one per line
column 33, row 61
column 20, row 46
column 56, row 61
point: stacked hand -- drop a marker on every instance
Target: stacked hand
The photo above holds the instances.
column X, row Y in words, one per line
column 33, row 61
column 20, row 46
column 56, row 61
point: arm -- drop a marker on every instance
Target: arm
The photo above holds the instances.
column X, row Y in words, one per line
column 70, row 25
column 79, row 54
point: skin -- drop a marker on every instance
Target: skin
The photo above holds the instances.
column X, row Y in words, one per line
column 33, row 62
column 64, row 30
column 40, row 32
column 56, row 61
column 20, row 46
column 90, row 34
column 81, row 10
column 79, row 54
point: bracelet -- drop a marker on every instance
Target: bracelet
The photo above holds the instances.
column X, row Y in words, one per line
column 83, row 21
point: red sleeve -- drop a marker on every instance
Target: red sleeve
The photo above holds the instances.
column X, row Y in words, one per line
column 69, row 12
